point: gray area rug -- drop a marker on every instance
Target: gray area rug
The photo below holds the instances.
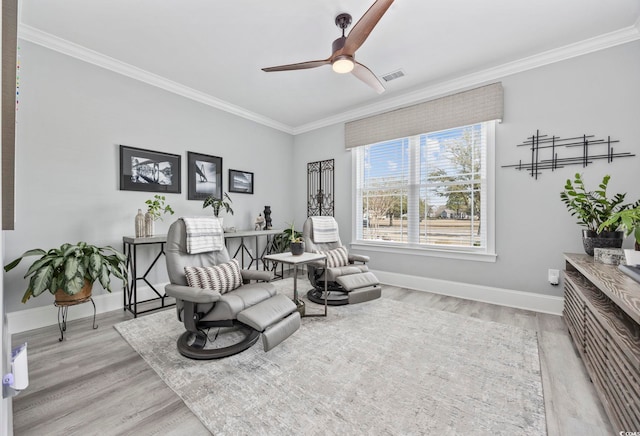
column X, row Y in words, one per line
column 381, row 367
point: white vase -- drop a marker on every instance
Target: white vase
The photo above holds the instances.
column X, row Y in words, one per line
column 140, row 229
column 149, row 225
column 632, row 256
column 220, row 220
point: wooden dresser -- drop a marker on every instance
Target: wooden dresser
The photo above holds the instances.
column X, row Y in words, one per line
column 602, row 312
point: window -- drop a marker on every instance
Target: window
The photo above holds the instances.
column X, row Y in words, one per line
column 431, row 192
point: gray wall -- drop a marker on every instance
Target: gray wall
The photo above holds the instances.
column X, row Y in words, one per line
column 73, row 115
column 595, row 94
column 71, row 118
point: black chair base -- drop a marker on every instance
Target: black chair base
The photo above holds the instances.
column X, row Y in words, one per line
column 192, row 345
column 334, row 298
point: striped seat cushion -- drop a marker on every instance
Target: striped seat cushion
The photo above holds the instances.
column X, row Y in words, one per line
column 222, row 278
column 336, row 257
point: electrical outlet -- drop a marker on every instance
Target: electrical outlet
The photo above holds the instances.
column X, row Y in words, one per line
column 554, row 277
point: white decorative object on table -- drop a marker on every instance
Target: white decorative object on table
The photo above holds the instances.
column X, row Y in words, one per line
column 632, row 256
column 140, row 229
column 608, row 256
column 259, row 223
column 149, row 225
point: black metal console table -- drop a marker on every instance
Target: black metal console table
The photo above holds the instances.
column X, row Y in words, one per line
column 258, row 256
column 130, row 248
column 130, row 245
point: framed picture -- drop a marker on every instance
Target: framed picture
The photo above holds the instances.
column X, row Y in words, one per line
column 205, row 176
column 148, row 170
column 240, row 181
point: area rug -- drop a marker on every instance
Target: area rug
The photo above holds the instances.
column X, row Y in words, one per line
column 381, row 367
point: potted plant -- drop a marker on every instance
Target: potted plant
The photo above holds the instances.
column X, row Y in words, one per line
column 217, row 204
column 69, row 272
column 593, row 209
column 295, row 241
column 156, row 207
column 282, row 241
column 629, row 220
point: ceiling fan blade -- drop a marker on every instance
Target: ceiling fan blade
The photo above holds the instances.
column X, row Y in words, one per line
column 364, row 26
column 366, row 75
column 298, row 66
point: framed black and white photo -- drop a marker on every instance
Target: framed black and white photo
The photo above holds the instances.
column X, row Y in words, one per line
column 241, row 182
column 205, row 176
column 148, row 170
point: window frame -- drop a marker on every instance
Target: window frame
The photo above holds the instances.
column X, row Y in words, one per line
column 481, row 254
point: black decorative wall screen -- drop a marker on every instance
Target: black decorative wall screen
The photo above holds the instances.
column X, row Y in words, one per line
column 544, row 152
column 320, row 180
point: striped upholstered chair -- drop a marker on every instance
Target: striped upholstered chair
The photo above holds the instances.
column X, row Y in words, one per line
column 223, row 311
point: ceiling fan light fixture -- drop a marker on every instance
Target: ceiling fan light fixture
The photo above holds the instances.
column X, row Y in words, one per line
column 342, row 65
column 343, row 49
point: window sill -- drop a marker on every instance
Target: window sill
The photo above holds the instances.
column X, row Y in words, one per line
column 422, row 251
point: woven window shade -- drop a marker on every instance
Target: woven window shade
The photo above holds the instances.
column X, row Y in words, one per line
column 461, row 109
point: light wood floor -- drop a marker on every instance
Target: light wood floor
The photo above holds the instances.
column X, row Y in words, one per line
column 94, row 383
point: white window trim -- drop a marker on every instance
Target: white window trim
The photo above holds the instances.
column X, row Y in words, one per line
column 463, row 253
column 481, row 256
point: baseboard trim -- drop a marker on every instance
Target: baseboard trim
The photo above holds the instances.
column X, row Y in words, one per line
column 486, row 294
column 45, row 316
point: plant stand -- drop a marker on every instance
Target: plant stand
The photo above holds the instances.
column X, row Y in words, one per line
column 63, row 308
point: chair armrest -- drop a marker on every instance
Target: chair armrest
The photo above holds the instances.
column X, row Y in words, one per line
column 358, row 258
column 188, row 293
column 250, row 274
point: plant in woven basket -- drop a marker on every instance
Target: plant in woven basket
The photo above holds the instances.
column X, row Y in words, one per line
column 593, row 208
column 597, row 213
column 629, row 220
column 70, row 267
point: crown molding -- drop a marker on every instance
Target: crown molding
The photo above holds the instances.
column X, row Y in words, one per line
column 36, row 36
column 601, row 42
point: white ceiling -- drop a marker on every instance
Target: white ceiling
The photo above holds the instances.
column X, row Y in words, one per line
column 213, row 51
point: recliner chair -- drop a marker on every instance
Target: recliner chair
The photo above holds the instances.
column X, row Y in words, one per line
column 348, row 278
column 242, row 314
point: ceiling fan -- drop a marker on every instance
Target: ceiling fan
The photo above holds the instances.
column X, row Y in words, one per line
column 342, row 59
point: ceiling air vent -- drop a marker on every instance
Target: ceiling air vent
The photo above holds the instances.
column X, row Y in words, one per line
column 392, row 76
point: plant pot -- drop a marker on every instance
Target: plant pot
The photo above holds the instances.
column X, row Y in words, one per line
column 591, row 240
column 297, row 248
column 632, row 257
column 64, row 299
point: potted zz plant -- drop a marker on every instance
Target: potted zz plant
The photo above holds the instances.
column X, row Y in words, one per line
column 629, row 220
column 69, row 272
column 595, row 212
column 217, row 204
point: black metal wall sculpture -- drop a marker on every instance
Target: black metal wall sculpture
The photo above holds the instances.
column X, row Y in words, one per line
column 320, row 179
column 538, row 144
